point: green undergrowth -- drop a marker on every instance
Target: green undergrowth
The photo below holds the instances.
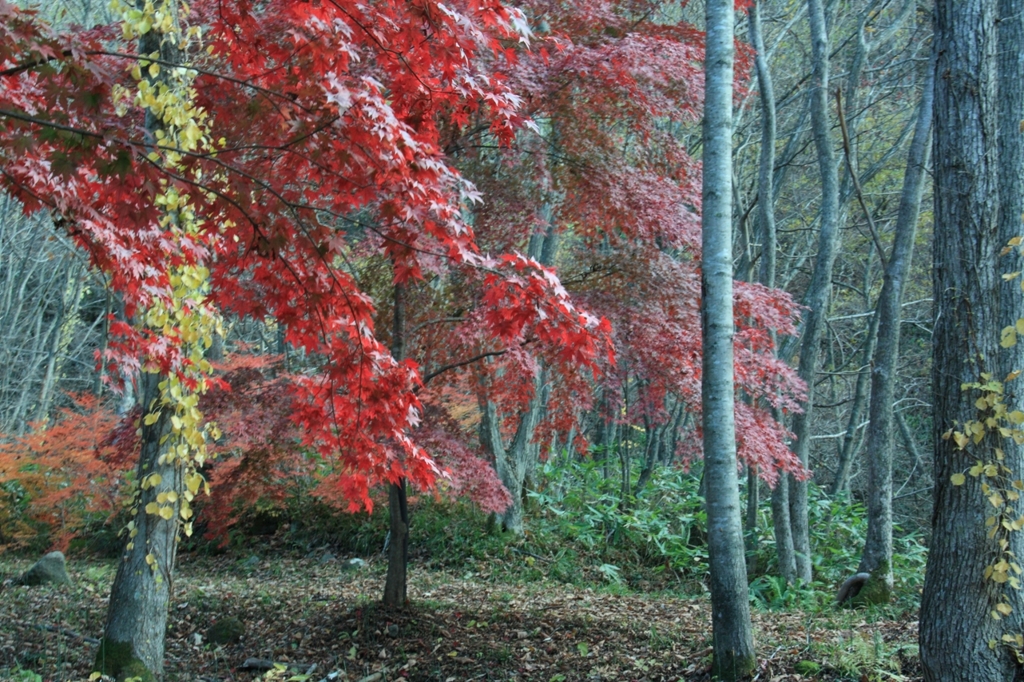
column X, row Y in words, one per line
column 579, row 530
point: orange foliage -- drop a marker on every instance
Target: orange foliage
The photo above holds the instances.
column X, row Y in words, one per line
column 57, row 476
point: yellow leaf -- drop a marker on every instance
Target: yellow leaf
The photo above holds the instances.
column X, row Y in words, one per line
column 996, row 500
column 1020, row 325
column 151, row 418
column 172, row 496
column 161, row 498
column 1008, row 337
column 957, row 479
column 991, row 470
column 166, row 512
column 960, row 440
column 1016, row 417
column 1004, row 609
column 152, row 508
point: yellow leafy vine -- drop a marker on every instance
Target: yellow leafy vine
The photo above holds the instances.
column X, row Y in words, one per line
column 185, row 315
column 999, row 483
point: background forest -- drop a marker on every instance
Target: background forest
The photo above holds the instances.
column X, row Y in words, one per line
column 449, row 313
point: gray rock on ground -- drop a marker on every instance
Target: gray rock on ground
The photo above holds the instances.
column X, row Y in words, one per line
column 51, row 569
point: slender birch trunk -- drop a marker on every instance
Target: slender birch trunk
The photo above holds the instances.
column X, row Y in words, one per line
column 730, row 606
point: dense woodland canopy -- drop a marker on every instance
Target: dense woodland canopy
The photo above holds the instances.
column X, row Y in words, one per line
column 725, row 295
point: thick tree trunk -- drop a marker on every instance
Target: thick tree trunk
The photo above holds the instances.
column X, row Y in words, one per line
column 877, row 556
column 1010, row 87
column 817, row 296
column 133, row 641
column 730, row 607
column 955, row 622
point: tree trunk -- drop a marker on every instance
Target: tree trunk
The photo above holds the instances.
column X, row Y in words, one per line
column 817, row 296
column 730, row 612
column 860, row 396
column 514, row 461
column 395, row 586
column 877, row 556
column 511, row 461
column 955, row 622
column 67, row 322
column 766, row 189
column 133, row 641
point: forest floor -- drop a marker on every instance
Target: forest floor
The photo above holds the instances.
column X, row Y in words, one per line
column 327, row 622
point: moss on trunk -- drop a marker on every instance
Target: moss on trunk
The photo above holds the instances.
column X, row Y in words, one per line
column 877, row 589
column 118, row 660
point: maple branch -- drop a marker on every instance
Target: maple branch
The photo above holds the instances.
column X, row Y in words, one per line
column 213, row 74
column 15, row 70
column 475, row 358
column 49, row 124
column 463, row 363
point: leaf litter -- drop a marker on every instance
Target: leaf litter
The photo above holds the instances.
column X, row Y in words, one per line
column 316, row 621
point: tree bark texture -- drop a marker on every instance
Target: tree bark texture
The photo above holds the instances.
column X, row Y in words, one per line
column 877, row 556
column 955, row 625
column 395, row 585
column 133, row 640
column 511, row 461
column 730, row 607
column 817, row 296
column 766, row 189
column 514, row 461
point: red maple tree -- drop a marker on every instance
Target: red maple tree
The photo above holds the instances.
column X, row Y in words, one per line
column 329, row 120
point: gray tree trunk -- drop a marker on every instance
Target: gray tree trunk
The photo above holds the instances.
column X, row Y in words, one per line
column 133, row 640
column 511, row 461
column 850, row 444
column 817, row 296
column 730, row 606
column 769, row 247
column 514, row 461
column 955, row 621
column 877, row 556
